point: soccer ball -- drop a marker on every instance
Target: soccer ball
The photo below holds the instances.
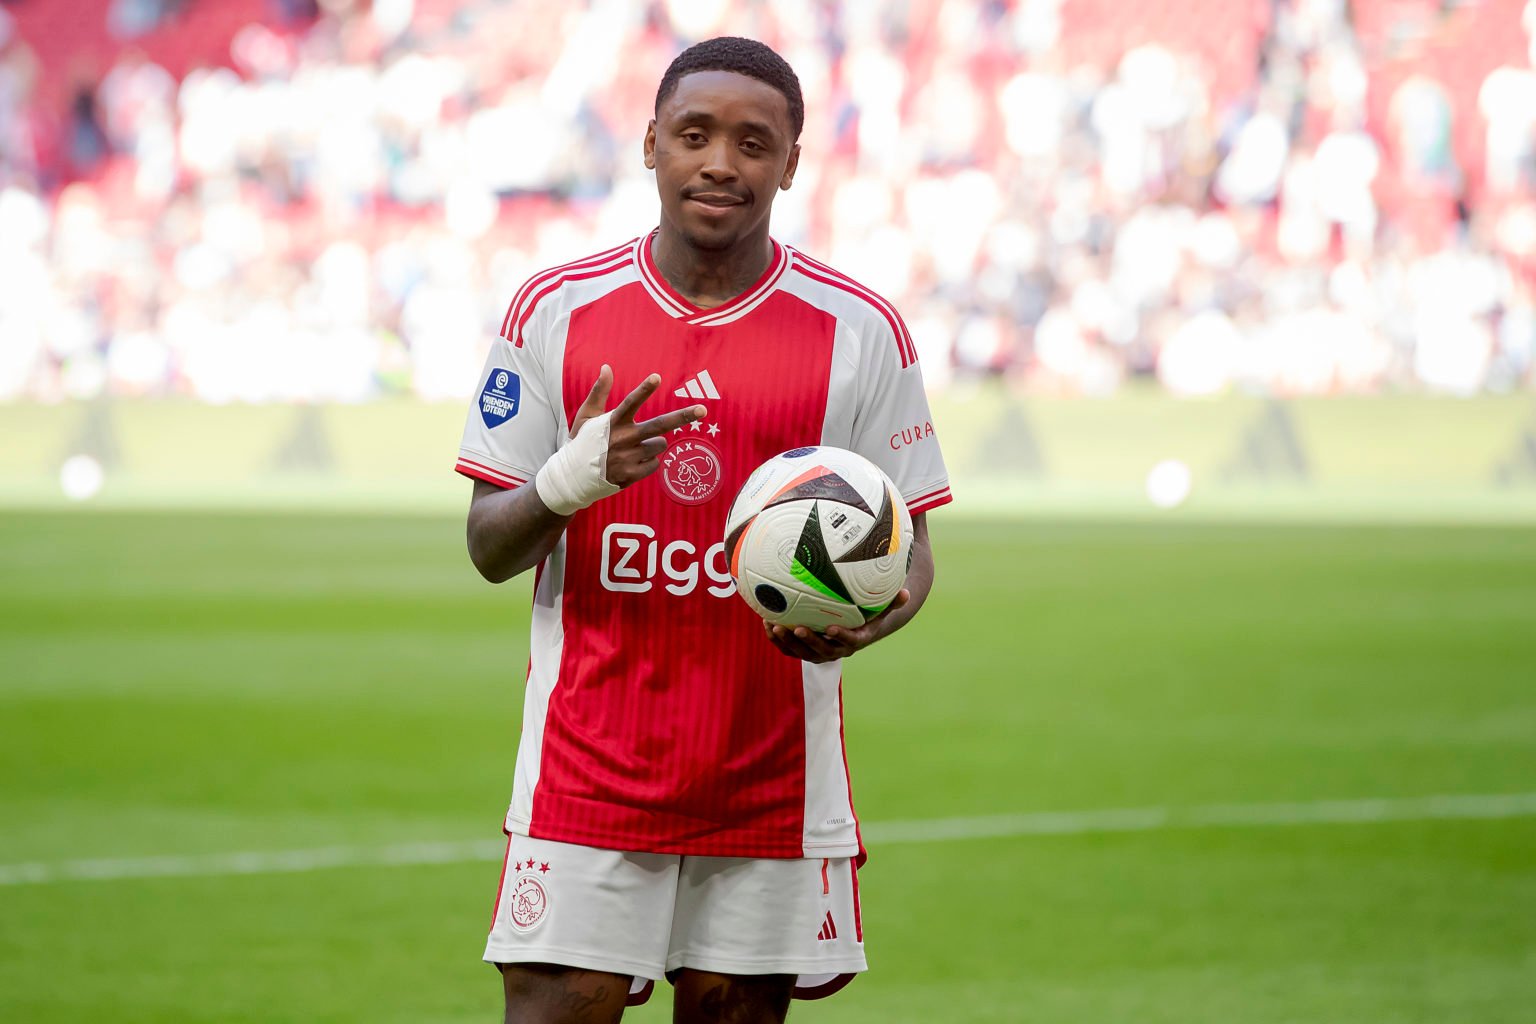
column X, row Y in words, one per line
column 818, row 537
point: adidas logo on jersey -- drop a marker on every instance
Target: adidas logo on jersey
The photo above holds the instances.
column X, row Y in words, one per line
column 828, row 929
column 698, row 387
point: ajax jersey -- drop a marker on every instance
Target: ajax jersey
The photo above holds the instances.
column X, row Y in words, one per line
column 658, row 717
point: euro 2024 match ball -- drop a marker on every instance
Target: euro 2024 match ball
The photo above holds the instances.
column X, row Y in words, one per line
column 818, row 537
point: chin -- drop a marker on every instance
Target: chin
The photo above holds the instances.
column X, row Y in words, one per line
column 718, row 240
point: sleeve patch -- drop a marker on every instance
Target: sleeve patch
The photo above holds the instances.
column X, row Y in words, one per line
column 499, row 398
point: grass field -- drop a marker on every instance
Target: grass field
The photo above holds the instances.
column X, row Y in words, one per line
column 187, row 685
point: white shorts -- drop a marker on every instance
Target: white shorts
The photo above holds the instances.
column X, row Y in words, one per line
column 651, row 914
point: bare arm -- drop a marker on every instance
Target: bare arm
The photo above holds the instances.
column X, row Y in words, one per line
column 510, row 532
column 839, row 642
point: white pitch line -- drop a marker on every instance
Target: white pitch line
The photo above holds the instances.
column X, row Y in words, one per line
column 932, row 830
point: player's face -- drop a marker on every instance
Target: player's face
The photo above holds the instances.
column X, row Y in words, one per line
column 721, row 146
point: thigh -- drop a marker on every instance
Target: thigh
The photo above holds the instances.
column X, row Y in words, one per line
column 601, row 911
column 705, row 997
column 550, row 994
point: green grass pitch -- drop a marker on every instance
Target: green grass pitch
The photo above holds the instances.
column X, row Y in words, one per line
column 187, row 684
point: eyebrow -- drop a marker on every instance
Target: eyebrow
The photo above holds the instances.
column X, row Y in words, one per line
column 701, row 117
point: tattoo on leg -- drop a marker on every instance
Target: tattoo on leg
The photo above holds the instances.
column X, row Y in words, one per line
column 744, row 1001
column 580, row 1007
column 541, row 992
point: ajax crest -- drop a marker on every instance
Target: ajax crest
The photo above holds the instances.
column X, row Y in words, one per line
column 499, row 397
column 528, row 900
column 691, row 471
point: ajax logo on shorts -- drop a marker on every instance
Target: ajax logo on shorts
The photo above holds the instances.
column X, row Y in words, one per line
column 498, row 399
column 528, row 900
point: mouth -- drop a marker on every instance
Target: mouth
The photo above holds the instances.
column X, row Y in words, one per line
column 715, row 201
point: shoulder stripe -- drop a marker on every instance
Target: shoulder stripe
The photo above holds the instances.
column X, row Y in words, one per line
column 818, row 271
column 534, row 282
column 549, row 284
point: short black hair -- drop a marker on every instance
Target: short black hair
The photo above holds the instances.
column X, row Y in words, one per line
column 743, row 57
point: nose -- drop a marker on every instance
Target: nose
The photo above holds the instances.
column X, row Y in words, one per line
column 718, row 164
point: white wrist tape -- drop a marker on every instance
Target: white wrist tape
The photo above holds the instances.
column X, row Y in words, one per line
column 575, row 476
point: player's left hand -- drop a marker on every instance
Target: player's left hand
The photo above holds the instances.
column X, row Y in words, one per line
column 837, row 642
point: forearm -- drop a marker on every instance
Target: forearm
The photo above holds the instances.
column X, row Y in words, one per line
column 509, row 532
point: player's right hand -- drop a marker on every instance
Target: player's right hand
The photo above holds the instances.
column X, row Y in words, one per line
column 633, row 447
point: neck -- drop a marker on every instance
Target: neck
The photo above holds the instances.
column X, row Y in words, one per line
column 709, row 278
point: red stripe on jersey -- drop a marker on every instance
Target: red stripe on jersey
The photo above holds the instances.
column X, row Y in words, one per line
column 673, row 725
column 540, row 278
column 929, row 501
column 818, row 271
column 491, row 476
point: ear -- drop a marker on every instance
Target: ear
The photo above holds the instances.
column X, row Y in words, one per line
column 788, row 178
column 650, row 145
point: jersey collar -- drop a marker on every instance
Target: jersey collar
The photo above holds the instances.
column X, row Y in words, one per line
column 675, row 305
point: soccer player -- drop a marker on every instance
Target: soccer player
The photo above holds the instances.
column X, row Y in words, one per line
column 681, row 804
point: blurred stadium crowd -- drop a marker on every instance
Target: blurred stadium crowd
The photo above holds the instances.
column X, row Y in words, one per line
column 284, row 200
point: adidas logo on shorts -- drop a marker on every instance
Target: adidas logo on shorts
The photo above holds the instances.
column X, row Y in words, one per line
column 828, row 929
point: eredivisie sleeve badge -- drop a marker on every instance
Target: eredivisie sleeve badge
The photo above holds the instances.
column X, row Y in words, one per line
column 499, row 397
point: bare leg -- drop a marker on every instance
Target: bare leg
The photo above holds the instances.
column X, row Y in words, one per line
column 703, row 997
column 548, row 994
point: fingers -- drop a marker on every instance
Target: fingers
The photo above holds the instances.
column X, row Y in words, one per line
column 625, row 412
column 656, row 426
column 788, row 643
column 826, row 647
column 597, row 399
column 800, row 642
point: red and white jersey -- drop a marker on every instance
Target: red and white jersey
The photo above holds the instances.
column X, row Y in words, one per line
column 658, row 716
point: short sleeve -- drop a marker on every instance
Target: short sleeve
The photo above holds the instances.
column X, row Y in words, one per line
column 511, row 428
column 893, row 426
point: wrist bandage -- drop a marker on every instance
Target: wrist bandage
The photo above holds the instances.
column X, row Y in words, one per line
column 575, row 476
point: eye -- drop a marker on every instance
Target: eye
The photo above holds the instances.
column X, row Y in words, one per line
column 694, row 137
column 753, row 147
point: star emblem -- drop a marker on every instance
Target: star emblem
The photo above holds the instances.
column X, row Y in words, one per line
column 714, row 428
column 543, row 868
column 695, row 425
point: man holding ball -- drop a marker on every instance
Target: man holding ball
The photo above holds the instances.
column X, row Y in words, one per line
column 681, row 804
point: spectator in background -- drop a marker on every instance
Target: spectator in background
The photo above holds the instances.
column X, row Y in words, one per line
column 1065, row 202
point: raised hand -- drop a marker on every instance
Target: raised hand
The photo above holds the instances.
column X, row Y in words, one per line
column 633, row 448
